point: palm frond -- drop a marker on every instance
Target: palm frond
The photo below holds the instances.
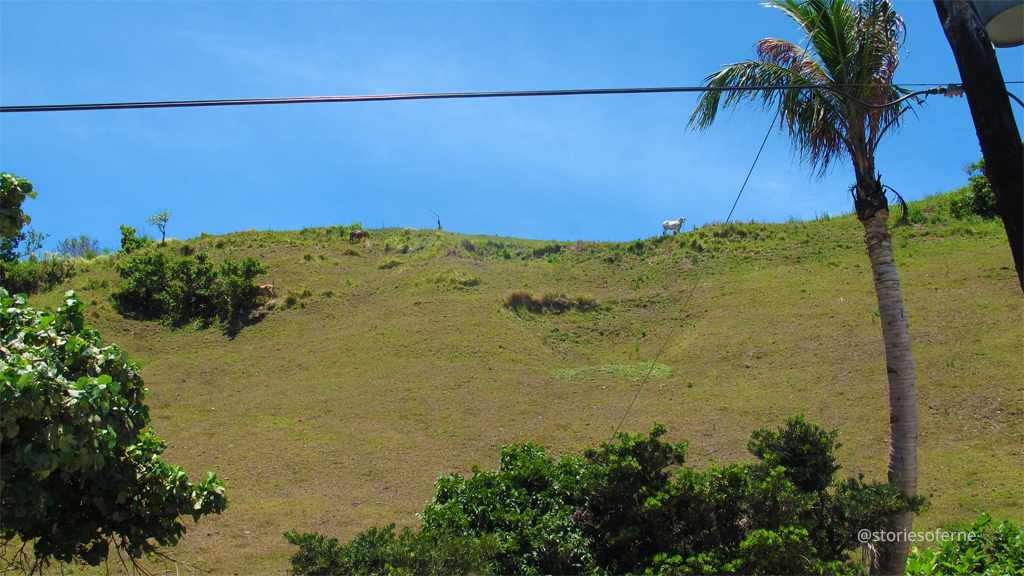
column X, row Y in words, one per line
column 853, row 48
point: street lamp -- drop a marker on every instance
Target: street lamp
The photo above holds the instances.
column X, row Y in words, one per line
column 1004, row 21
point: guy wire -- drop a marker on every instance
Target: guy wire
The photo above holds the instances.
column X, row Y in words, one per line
column 696, row 283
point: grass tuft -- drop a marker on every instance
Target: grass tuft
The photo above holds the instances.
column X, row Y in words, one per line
column 388, row 263
column 521, row 300
column 456, row 278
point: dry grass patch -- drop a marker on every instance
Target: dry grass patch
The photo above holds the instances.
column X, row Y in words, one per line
column 523, row 301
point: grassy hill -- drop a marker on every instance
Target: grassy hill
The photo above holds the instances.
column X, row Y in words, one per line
column 385, row 363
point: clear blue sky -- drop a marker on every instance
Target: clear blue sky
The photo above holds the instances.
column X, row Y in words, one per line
column 562, row 168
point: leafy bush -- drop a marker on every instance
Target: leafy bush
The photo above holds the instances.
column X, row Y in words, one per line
column 76, row 450
column 33, row 276
column 388, row 263
column 977, row 197
column 130, row 242
column 994, row 550
column 382, row 551
column 189, row 288
column 629, row 506
column 13, row 191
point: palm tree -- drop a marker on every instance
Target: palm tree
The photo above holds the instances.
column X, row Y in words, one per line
column 853, row 49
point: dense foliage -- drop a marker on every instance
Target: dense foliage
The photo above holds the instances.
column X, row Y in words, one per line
column 32, row 275
column 629, row 506
column 36, row 275
column 130, row 242
column 995, row 550
column 382, row 551
column 188, row 288
column 13, row 191
column 977, row 197
column 81, row 469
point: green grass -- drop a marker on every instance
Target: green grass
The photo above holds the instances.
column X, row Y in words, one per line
column 338, row 413
column 638, row 371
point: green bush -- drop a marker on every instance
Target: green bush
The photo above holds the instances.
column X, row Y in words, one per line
column 80, row 468
column 994, row 550
column 182, row 290
column 34, row 276
column 382, row 551
column 631, row 506
column 13, row 191
column 977, row 197
column 130, row 242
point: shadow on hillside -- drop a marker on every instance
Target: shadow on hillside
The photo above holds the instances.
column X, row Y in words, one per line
column 232, row 327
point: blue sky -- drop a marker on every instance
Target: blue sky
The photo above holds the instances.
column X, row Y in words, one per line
column 562, row 168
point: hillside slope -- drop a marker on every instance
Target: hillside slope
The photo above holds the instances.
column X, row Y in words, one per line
column 399, row 362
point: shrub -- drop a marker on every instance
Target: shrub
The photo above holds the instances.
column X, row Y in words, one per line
column 146, row 278
column 34, row 276
column 977, row 197
column 77, row 453
column 631, row 506
column 130, row 242
column 382, row 551
column 185, row 289
column 13, row 192
column 994, row 550
column 388, row 263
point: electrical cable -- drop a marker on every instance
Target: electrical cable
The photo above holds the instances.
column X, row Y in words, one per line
column 700, row 274
column 450, row 95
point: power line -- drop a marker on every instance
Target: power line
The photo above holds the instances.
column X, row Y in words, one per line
column 451, row 95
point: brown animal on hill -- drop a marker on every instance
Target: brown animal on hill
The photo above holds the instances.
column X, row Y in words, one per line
column 357, row 234
column 267, row 291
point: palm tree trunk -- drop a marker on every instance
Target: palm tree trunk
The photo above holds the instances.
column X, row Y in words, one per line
column 891, row 557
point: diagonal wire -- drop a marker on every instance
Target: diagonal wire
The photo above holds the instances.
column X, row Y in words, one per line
column 696, row 283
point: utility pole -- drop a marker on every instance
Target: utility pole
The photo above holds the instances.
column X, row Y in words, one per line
column 993, row 119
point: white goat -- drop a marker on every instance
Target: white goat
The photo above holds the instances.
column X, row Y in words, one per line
column 674, row 225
